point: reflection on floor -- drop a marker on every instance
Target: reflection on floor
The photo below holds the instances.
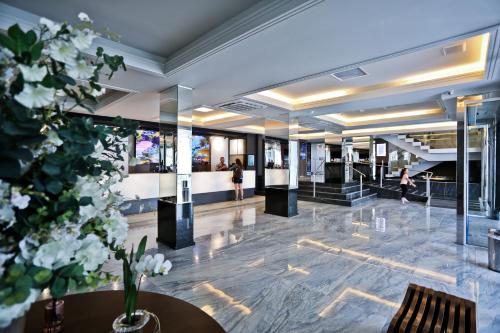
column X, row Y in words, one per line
column 329, row 269
column 478, row 229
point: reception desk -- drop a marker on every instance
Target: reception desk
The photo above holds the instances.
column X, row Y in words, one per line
column 207, row 187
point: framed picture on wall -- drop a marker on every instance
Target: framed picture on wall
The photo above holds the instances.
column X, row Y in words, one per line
column 381, row 149
column 251, row 160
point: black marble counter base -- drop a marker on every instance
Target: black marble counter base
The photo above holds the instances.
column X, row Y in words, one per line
column 175, row 224
column 281, row 201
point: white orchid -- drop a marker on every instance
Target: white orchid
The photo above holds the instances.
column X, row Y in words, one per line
column 150, row 266
column 82, row 39
column 10, row 312
column 7, row 214
column 116, row 228
column 33, row 73
column 18, row 200
column 92, row 253
column 53, row 138
column 63, row 51
column 84, row 17
column 53, row 27
column 3, row 258
column 35, row 96
column 80, row 70
column 4, row 188
column 56, row 253
column 27, row 246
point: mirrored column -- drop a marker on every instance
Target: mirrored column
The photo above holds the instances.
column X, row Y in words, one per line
column 281, row 149
column 175, row 213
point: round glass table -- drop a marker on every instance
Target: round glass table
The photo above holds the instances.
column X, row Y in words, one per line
column 95, row 312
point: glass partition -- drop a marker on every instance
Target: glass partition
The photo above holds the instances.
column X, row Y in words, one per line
column 482, row 194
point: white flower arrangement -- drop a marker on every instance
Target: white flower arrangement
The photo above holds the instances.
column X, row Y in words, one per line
column 59, row 218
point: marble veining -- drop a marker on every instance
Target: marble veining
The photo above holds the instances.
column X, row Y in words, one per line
column 328, row 269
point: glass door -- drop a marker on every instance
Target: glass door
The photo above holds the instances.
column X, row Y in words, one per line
column 482, row 142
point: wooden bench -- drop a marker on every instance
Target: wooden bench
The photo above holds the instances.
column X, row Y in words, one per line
column 427, row 310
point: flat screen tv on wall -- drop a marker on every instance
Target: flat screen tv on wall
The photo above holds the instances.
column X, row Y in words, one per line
column 147, row 146
column 201, row 153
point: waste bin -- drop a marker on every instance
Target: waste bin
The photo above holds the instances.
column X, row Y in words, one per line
column 494, row 249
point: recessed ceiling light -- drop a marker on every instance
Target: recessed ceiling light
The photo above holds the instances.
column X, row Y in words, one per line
column 203, row 109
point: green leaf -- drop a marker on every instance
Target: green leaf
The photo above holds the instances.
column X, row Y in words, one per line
column 15, row 32
column 5, row 292
column 54, row 186
column 9, row 168
column 16, row 271
column 66, row 79
column 72, row 284
column 84, row 201
column 58, row 288
column 42, row 275
column 8, row 43
column 24, row 282
column 18, row 296
column 36, row 51
column 141, row 248
column 51, row 169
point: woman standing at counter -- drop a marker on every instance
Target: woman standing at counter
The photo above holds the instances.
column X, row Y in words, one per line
column 237, row 178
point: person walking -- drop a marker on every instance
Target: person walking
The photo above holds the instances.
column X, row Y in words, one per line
column 404, row 182
column 237, row 169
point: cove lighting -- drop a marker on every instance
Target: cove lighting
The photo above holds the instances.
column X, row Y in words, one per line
column 303, row 100
column 381, row 116
column 477, row 66
column 445, row 125
column 203, row 109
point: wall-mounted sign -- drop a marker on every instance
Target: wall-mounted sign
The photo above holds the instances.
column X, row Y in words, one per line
column 381, row 149
column 251, row 160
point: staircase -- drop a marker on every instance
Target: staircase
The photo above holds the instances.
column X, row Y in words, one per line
column 424, row 152
column 419, row 165
column 336, row 194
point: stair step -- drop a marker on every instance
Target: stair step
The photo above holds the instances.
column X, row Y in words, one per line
column 416, row 143
column 349, row 203
column 401, row 136
column 329, row 195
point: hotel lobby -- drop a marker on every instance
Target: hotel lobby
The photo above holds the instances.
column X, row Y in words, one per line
column 249, row 166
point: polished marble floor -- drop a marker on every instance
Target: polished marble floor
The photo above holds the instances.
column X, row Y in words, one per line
column 329, row 269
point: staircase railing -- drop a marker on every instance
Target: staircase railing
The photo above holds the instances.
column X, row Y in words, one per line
column 428, row 176
column 361, row 175
column 315, row 172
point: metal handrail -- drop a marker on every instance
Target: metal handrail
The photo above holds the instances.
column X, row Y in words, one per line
column 315, row 172
column 360, row 178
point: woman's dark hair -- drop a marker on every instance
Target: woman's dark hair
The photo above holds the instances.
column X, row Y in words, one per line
column 402, row 173
column 238, row 162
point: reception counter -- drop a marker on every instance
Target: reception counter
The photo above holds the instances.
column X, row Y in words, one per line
column 207, row 187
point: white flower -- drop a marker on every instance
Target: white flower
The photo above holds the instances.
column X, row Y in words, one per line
column 33, row 73
column 3, row 259
column 7, row 74
column 6, row 55
column 28, row 246
column 80, row 70
column 97, row 93
column 82, row 40
column 18, row 200
column 53, row 138
column 4, row 188
column 98, row 150
column 84, row 17
column 35, row 96
column 53, row 27
column 9, row 313
column 92, row 253
column 56, row 253
column 149, row 265
column 63, row 51
column 87, row 212
column 7, row 214
column 116, row 228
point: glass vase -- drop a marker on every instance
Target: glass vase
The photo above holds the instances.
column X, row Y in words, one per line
column 120, row 324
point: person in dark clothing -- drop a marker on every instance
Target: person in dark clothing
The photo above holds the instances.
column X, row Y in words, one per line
column 237, row 169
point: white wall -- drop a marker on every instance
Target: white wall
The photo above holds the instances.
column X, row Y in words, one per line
column 218, row 148
column 146, row 185
column 276, row 177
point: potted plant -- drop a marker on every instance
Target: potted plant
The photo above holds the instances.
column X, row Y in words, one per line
column 135, row 267
column 60, row 220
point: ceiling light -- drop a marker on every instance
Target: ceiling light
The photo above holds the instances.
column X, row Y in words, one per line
column 320, row 97
column 380, row 116
column 277, row 96
column 203, row 109
column 444, row 125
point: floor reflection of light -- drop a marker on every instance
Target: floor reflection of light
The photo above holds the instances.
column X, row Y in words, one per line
column 358, row 235
column 298, row 270
column 196, row 259
column 383, row 261
column 256, row 263
column 362, row 224
column 227, row 298
column 359, row 293
column 208, row 310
